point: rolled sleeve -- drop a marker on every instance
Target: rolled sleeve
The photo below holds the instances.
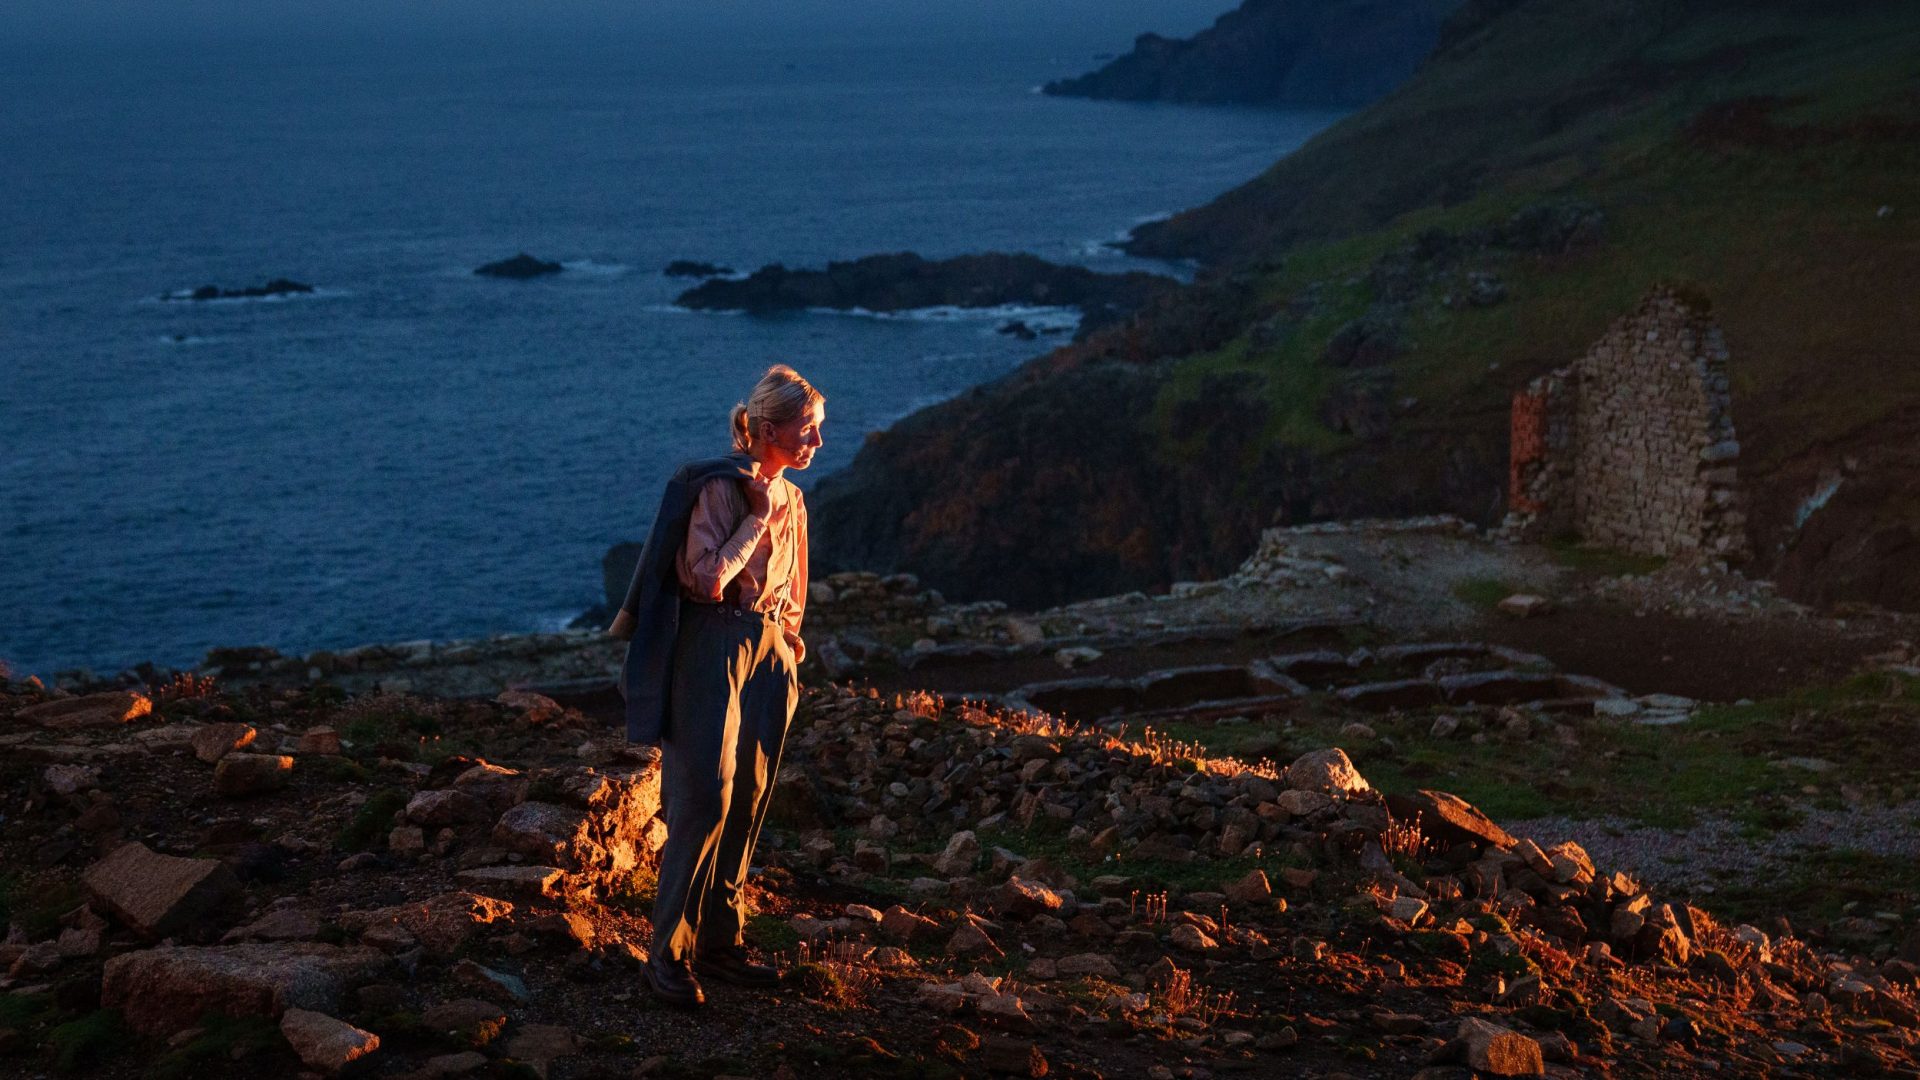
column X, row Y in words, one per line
column 716, row 551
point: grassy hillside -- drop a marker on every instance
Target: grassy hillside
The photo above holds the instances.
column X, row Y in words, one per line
column 1374, row 300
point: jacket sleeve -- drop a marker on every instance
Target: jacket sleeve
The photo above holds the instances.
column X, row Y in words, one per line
column 796, row 606
column 716, row 549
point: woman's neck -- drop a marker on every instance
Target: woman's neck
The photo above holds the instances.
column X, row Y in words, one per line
column 767, row 472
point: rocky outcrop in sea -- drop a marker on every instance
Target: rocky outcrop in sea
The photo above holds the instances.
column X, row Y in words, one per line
column 522, row 265
column 906, row 281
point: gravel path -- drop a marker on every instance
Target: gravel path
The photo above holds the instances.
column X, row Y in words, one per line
column 1716, row 848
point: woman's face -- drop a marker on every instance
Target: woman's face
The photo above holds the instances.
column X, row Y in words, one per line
column 791, row 445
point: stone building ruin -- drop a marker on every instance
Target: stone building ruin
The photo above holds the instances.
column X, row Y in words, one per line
column 1632, row 446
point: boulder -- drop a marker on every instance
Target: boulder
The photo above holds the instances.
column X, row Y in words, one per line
column 156, row 895
column 106, row 710
column 165, row 990
column 324, row 1043
column 238, row 775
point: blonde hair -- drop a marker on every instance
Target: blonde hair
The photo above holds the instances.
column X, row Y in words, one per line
column 779, row 396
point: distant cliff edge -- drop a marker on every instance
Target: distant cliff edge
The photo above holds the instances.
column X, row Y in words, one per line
column 1367, row 310
column 1277, row 52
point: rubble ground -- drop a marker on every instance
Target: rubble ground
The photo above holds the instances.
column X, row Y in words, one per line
column 236, row 882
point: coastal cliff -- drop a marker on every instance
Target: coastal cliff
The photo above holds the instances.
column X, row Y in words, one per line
column 1274, row 52
column 1371, row 304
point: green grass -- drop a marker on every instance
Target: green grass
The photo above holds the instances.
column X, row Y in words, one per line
column 20, row 1010
column 772, row 933
column 222, row 1040
column 36, row 906
column 370, row 824
column 1048, row 839
column 1819, row 885
column 1480, row 592
column 1726, row 760
column 85, row 1043
column 1602, row 561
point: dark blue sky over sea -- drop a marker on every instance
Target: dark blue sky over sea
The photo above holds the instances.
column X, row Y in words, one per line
column 416, row 452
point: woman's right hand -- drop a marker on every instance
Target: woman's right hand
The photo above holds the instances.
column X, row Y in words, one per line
column 759, row 498
column 623, row 625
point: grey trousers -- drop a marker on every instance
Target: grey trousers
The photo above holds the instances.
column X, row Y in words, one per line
column 734, row 692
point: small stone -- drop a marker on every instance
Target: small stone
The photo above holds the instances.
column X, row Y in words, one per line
column 1013, row 1057
column 439, row 807
column 215, row 741
column 961, row 852
column 70, row 779
column 241, row 775
column 319, row 740
column 325, row 1043
column 1524, row 605
column 496, row 985
column 1497, row 1051
column 1408, row 909
column 1329, row 772
column 157, row 895
column 970, row 940
column 1303, row 803
column 1083, row 964
column 106, row 710
column 899, row 924
column 1253, row 889
column 465, row 1020
column 1190, row 937
column 460, row 1064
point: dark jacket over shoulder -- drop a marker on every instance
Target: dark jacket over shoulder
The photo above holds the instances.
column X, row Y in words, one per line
column 654, row 597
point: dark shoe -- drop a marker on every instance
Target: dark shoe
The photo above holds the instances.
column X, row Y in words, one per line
column 730, row 964
column 674, row 984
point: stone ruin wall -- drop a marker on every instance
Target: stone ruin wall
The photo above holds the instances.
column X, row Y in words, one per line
column 1632, row 446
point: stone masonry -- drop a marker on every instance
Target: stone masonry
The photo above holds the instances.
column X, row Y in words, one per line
column 1632, row 446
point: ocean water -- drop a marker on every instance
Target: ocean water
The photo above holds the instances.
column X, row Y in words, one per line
column 416, row 452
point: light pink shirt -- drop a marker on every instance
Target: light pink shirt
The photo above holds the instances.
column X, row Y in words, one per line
column 760, row 563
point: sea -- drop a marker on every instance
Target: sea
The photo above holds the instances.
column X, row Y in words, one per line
column 413, row 451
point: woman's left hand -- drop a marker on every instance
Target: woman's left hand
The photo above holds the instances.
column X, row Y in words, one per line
column 796, row 646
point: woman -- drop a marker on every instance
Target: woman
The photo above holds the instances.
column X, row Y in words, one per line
column 713, row 617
